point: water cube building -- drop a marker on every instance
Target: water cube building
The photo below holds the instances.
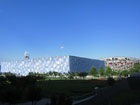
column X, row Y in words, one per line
column 62, row 64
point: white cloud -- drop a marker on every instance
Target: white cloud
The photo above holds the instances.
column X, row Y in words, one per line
column 62, row 47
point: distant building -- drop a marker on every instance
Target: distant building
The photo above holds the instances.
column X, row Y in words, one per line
column 62, row 64
column 120, row 63
column 26, row 55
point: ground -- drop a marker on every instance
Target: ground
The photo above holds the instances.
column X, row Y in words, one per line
column 69, row 87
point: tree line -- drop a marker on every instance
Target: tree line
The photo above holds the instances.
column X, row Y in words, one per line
column 109, row 72
column 14, row 89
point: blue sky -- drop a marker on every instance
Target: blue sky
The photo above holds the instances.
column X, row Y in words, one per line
column 88, row 28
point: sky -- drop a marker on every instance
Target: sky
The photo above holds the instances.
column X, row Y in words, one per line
column 86, row 28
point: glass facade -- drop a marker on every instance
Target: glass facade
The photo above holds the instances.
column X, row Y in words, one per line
column 79, row 64
column 49, row 64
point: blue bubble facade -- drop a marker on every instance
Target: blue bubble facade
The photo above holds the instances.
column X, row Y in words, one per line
column 62, row 64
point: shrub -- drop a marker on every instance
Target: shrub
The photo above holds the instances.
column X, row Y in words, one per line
column 110, row 81
column 34, row 94
column 61, row 99
column 83, row 74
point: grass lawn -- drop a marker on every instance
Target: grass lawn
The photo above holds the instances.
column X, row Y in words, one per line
column 69, row 87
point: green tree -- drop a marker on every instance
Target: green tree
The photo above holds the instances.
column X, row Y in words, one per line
column 101, row 71
column 83, row 74
column 125, row 73
column 131, row 70
column 61, row 75
column 70, row 76
column 50, row 73
column 34, row 94
column 108, row 71
column 9, row 74
column 55, row 74
column 93, row 71
column 136, row 67
column 10, row 94
column 76, row 74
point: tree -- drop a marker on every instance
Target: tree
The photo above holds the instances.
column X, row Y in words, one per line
column 101, row 71
column 61, row 75
column 31, row 74
column 50, row 73
column 1, row 74
column 9, row 74
column 131, row 70
column 136, row 67
column 70, row 76
column 10, row 94
column 93, row 71
column 55, row 74
column 83, row 74
column 76, row 74
column 34, row 94
column 108, row 71
column 125, row 73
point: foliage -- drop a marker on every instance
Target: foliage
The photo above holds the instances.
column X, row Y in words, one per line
column 131, row 71
column 61, row 75
column 110, row 81
column 9, row 74
column 137, row 67
column 108, row 71
column 93, row 71
column 31, row 87
column 38, row 76
column 12, row 88
column 125, row 73
column 10, row 94
column 76, row 73
column 55, row 74
column 101, row 71
column 70, row 75
column 117, row 73
column 50, row 73
column 34, row 94
column 83, row 74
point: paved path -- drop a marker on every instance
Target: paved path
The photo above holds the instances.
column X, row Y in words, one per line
column 83, row 100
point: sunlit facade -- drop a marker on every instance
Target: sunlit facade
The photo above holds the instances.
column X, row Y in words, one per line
column 62, row 64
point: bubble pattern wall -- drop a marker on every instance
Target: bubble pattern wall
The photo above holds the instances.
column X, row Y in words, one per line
column 40, row 65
